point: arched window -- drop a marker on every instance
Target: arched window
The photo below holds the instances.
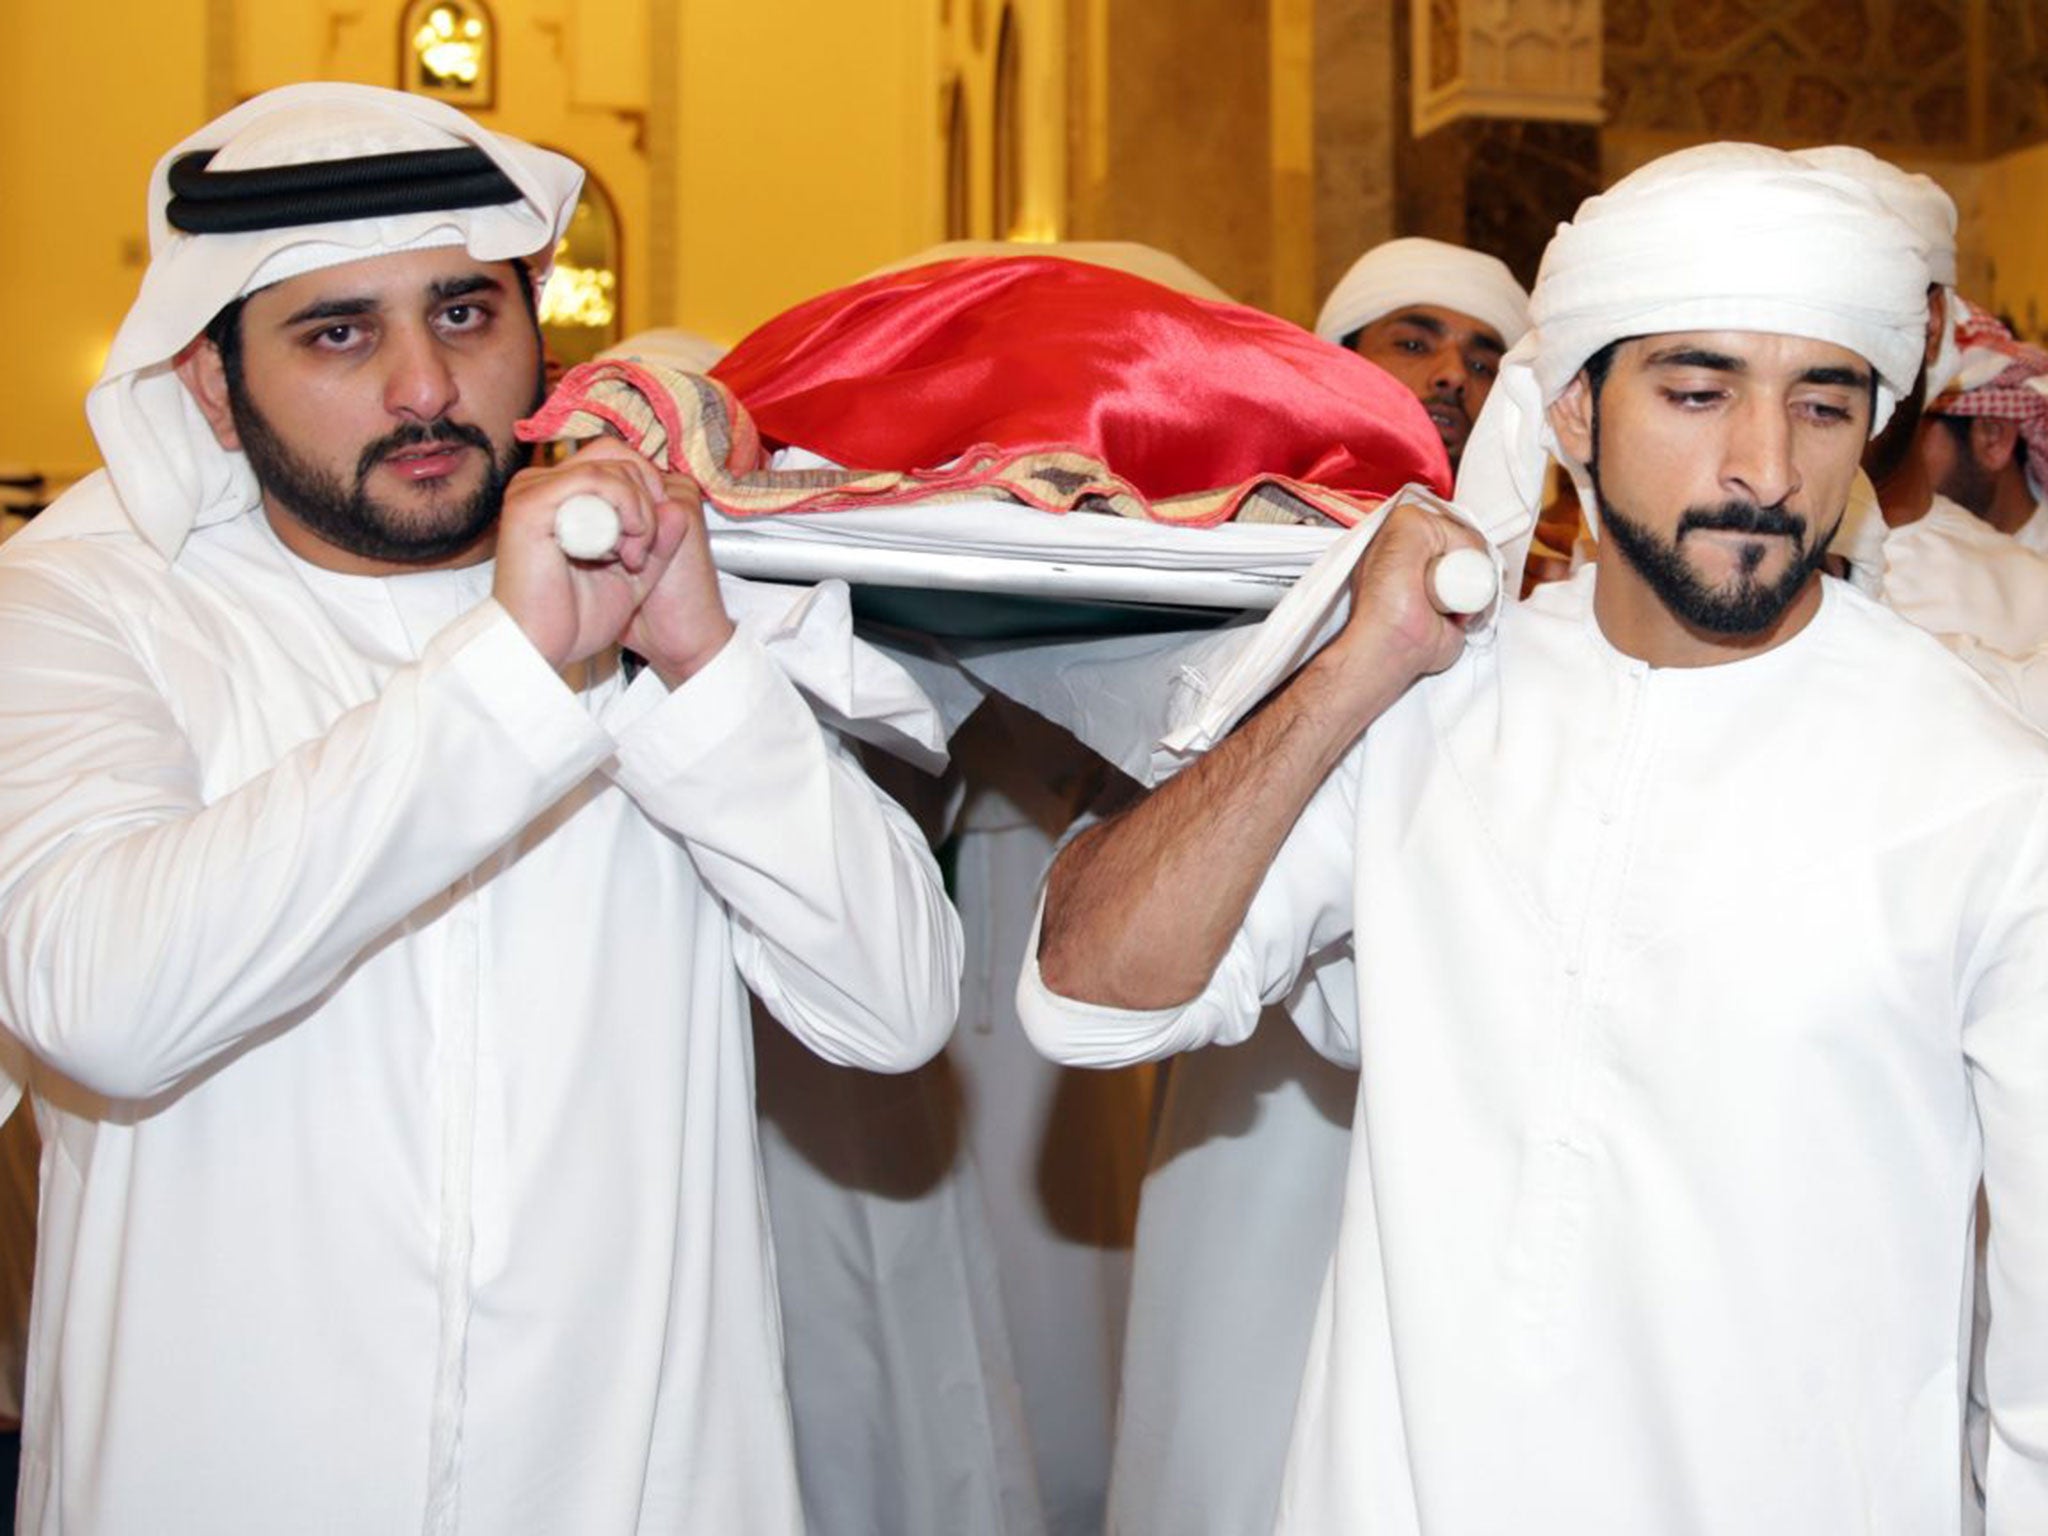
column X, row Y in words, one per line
column 448, row 49
column 580, row 310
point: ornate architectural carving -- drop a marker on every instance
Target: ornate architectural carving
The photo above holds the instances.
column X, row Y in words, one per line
column 2016, row 84
column 1534, row 60
column 1892, row 74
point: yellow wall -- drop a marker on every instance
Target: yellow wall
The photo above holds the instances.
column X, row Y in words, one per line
column 810, row 151
column 805, row 151
column 2012, row 222
column 85, row 110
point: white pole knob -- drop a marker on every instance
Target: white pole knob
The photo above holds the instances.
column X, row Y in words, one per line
column 587, row 527
column 1463, row 581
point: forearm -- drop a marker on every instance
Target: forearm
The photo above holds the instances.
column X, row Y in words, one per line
column 840, row 921
column 1139, row 910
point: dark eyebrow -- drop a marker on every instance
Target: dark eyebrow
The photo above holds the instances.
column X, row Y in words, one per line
column 1850, row 378
column 461, row 287
column 438, row 292
column 332, row 309
column 1489, row 343
column 1697, row 357
column 1420, row 321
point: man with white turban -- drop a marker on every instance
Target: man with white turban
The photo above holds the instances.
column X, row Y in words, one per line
column 1895, row 491
column 1438, row 317
column 382, row 948
column 1246, row 1180
column 1673, row 1104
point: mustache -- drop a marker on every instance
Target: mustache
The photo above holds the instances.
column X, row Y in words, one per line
column 1741, row 517
column 417, row 435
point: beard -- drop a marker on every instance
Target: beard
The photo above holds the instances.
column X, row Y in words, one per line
column 344, row 514
column 1742, row 607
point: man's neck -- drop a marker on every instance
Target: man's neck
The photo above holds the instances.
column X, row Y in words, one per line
column 328, row 556
column 1636, row 622
column 1906, row 494
column 2012, row 504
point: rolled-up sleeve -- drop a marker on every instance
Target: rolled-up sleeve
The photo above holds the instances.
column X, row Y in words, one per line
column 1302, row 909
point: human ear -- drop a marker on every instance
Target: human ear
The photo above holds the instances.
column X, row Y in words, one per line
column 1571, row 418
column 205, row 378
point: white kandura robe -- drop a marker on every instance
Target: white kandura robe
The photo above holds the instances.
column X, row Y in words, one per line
column 1674, row 1099
column 1059, row 1154
column 953, row 1245
column 1235, row 1230
column 1952, row 573
column 2034, row 531
column 395, row 1082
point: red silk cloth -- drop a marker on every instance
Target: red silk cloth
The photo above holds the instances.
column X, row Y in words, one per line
column 1176, row 394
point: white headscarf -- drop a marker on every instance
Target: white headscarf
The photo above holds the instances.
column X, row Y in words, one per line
column 169, row 472
column 1417, row 271
column 1931, row 213
column 1719, row 237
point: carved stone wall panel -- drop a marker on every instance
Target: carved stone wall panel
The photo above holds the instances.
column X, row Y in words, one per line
column 2016, row 84
column 1516, row 59
column 1891, row 74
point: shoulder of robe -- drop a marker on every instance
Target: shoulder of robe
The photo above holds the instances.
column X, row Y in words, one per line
column 82, row 538
column 1922, row 703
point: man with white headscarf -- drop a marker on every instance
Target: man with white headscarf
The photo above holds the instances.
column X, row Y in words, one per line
column 1673, row 1105
column 1895, row 491
column 1438, row 317
column 1246, row 1180
column 382, row 948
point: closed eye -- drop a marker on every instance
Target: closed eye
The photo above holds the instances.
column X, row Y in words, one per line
column 1828, row 415
column 1694, row 399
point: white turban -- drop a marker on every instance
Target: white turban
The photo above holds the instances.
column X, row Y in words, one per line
column 1416, row 271
column 1931, row 212
column 169, row 472
column 1723, row 237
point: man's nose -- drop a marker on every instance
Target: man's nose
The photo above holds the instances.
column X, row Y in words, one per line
column 1447, row 373
column 1758, row 462
column 418, row 382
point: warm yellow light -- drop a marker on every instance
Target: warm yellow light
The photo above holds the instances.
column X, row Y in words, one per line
column 580, row 296
column 447, row 58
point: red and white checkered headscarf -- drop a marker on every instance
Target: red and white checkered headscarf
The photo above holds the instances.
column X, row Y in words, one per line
column 2003, row 378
